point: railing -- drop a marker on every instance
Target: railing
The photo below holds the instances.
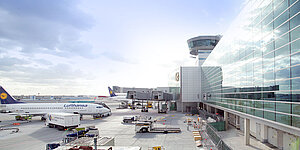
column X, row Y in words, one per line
column 204, row 114
column 212, row 133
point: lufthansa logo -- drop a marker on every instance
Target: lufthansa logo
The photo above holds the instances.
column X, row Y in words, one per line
column 3, row 95
column 110, row 92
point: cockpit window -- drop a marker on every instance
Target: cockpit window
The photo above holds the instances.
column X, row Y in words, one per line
column 103, row 105
column 99, row 107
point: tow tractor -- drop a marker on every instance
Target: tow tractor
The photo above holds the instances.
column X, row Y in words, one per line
column 147, row 126
column 23, row 118
column 123, row 105
column 144, row 109
column 15, row 130
column 156, row 148
column 130, row 119
column 135, row 119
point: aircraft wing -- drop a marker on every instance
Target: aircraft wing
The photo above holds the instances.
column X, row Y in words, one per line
column 32, row 114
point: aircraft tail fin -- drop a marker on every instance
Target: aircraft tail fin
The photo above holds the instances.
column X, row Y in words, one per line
column 111, row 92
column 6, row 98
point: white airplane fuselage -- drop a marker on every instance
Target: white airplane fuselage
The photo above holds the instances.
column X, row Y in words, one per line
column 41, row 109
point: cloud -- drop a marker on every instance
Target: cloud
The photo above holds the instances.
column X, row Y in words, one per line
column 60, row 11
column 59, row 74
column 51, row 27
column 115, row 56
column 38, row 40
column 82, row 46
column 8, row 64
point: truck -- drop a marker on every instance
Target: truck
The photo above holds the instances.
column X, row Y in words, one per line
column 135, row 119
column 62, row 121
column 147, row 126
column 130, row 119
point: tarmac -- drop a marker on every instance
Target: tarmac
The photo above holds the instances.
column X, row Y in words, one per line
column 35, row 135
column 235, row 139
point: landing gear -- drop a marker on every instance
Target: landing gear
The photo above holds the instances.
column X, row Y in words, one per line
column 144, row 130
column 43, row 118
column 97, row 116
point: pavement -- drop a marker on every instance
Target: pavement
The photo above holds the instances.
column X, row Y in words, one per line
column 35, row 135
column 235, row 139
column 125, row 134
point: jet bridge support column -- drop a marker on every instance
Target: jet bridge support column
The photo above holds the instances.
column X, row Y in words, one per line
column 226, row 119
column 247, row 131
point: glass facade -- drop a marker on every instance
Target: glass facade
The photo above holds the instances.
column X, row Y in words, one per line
column 255, row 68
column 202, row 42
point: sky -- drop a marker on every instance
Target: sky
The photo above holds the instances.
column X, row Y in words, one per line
column 80, row 47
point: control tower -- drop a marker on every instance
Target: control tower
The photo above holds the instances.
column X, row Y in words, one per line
column 202, row 46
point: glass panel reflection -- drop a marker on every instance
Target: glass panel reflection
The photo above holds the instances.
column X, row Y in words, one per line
column 260, row 63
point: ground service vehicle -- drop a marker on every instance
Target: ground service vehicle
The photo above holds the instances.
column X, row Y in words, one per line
column 149, row 104
column 23, row 118
column 130, row 119
column 162, row 108
column 147, row 126
column 123, row 105
column 144, row 109
column 156, row 148
column 62, row 121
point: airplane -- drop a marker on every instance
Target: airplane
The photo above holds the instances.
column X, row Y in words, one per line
column 121, row 97
column 114, row 95
column 42, row 109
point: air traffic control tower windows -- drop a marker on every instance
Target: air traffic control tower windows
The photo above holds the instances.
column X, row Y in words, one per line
column 203, row 42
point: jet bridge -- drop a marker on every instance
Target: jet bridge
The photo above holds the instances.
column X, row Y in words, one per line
column 163, row 99
column 138, row 95
column 160, row 95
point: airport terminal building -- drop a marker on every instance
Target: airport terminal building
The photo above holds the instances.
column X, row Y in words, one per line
column 190, row 77
column 252, row 76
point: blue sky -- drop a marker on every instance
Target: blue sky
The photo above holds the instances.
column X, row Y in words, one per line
column 81, row 47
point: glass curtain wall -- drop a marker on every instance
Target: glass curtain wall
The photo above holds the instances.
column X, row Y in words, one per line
column 255, row 68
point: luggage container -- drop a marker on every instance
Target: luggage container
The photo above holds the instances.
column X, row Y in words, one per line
column 62, row 121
